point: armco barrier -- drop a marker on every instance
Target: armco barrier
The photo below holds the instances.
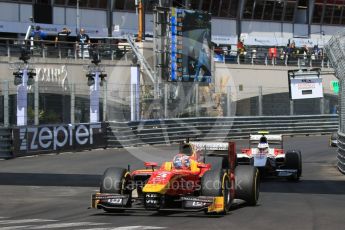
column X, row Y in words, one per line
column 5, row 143
column 341, row 152
column 122, row 134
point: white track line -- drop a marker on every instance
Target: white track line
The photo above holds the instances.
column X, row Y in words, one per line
column 16, row 227
column 127, row 228
column 66, row 225
column 23, row 221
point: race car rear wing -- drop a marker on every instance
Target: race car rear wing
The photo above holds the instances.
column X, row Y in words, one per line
column 226, row 150
column 271, row 139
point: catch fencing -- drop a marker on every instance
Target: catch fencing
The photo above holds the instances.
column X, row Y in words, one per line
column 122, row 134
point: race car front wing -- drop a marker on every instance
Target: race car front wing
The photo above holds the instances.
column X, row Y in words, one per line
column 155, row 202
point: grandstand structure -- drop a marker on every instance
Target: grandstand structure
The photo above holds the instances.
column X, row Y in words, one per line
column 257, row 22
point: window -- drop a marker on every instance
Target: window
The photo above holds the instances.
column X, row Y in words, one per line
column 248, row 9
column 268, row 10
column 130, row 5
column 60, row 2
column 206, row 5
column 224, row 9
column 317, row 14
column 178, row 3
column 215, row 8
column 233, row 9
column 119, row 4
column 258, row 9
column 103, row 4
column 194, row 4
column 327, row 16
column 278, row 11
column 43, row 2
column 289, row 10
column 337, row 13
column 92, row 3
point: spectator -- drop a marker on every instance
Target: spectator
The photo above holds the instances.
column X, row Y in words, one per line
column 241, row 50
column 37, row 35
column 62, row 37
column 83, row 42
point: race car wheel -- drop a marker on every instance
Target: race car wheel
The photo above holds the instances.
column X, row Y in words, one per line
column 219, row 162
column 116, row 181
column 293, row 160
column 216, row 182
column 247, row 184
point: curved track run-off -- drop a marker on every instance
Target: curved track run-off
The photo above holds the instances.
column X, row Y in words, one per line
column 53, row 192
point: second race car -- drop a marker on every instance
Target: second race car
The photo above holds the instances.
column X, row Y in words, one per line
column 267, row 154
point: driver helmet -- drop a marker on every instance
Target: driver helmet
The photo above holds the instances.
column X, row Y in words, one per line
column 263, row 147
column 181, row 161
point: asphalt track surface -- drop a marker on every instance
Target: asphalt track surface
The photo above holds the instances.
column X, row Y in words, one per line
column 53, row 192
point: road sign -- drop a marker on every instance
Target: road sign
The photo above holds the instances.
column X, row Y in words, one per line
column 335, row 86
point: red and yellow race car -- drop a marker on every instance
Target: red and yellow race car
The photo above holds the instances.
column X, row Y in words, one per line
column 203, row 176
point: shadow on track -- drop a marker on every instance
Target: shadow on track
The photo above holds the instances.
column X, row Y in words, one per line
column 45, row 179
column 334, row 187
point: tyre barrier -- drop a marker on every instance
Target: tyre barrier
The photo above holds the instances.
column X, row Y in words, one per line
column 135, row 133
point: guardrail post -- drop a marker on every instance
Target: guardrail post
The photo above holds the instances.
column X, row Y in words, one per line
column 6, row 98
column 36, row 103
column 72, row 103
column 228, row 102
column 286, row 59
column 196, row 99
column 166, row 100
column 260, row 101
column 8, row 48
column 238, row 59
column 298, row 63
column 291, row 107
column 322, row 63
column 105, row 89
column 322, row 105
column 266, row 60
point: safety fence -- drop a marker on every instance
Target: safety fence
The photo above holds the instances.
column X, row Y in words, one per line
column 114, row 49
column 57, row 103
column 122, row 134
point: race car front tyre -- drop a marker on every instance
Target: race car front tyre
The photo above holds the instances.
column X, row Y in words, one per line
column 247, row 184
column 116, row 181
column 293, row 160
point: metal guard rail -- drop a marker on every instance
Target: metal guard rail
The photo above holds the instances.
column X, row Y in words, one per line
column 122, row 134
column 5, row 143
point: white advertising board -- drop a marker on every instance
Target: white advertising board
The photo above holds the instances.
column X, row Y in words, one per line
column 306, row 87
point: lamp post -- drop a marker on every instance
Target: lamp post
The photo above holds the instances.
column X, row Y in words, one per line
column 23, row 77
column 95, row 79
column 78, row 18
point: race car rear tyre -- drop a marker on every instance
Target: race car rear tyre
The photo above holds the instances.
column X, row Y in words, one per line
column 116, row 181
column 293, row 160
column 219, row 162
column 247, row 184
column 216, row 182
